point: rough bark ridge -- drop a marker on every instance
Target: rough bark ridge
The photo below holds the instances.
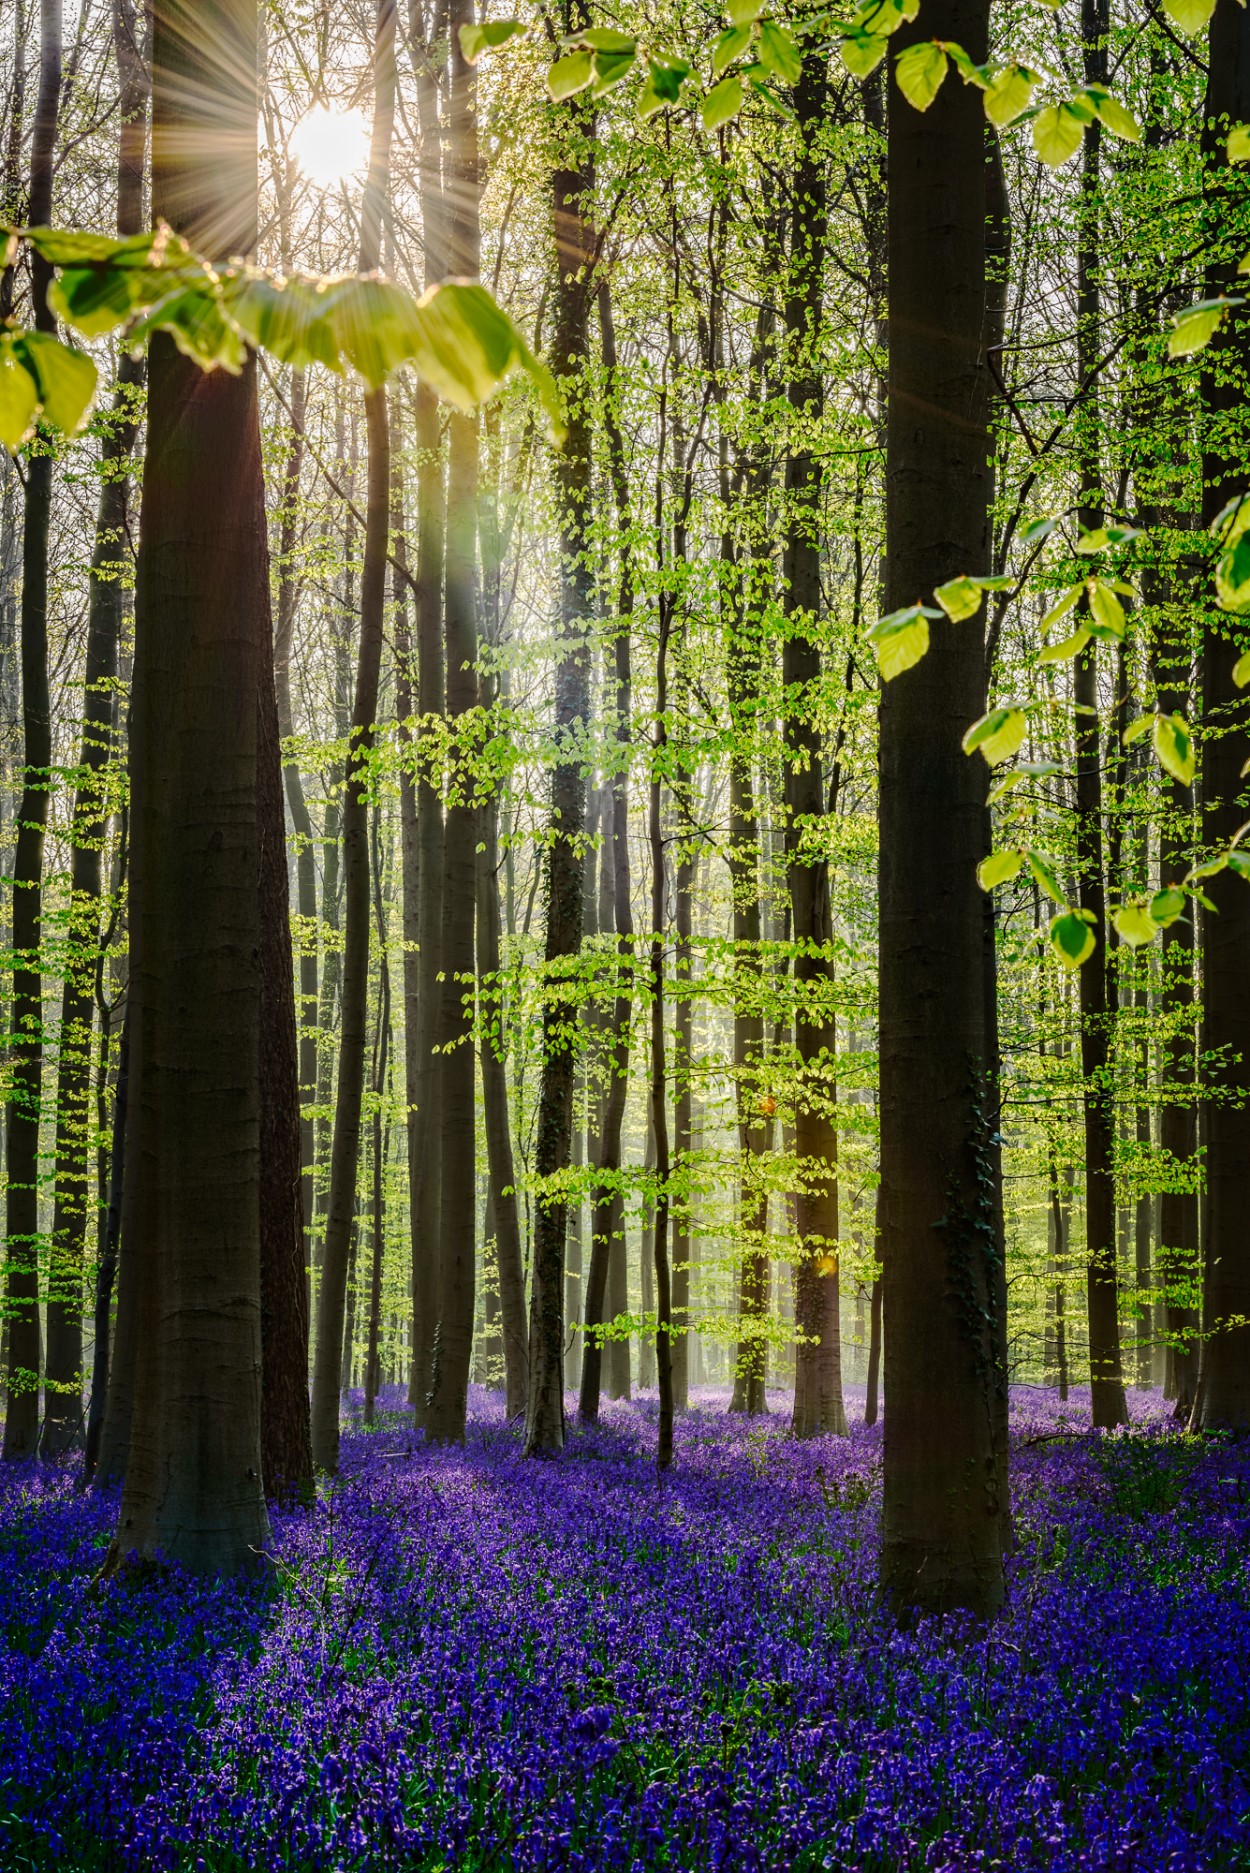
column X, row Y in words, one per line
column 192, row 1208
column 345, row 1149
column 21, row 1424
column 572, row 192
column 1224, row 1383
column 818, row 1406
column 943, row 1513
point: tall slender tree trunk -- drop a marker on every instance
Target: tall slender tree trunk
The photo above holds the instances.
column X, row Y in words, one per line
column 572, row 197
column 345, row 1149
column 497, row 1125
column 21, row 1424
column 381, row 1086
column 449, row 1377
column 1105, row 1370
column 63, row 1377
column 1224, row 1382
column 191, row 1226
column 818, row 1404
column 659, row 1080
column 943, row 1516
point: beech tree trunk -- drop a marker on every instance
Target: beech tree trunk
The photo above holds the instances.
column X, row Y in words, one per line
column 1224, row 1381
column 507, row 1227
column 25, row 1350
column 943, row 1516
column 572, row 193
column 192, row 1203
column 345, row 1149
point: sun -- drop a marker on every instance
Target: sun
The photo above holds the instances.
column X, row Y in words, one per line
column 329, row 145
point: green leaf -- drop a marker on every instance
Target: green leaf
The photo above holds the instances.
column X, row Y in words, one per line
column 1174, row 746
column 1134, row 925
column 969, row 71
column 862, row 52
column 66, row 379
column 1240, row 863
column 959, row 599
column 1057, row 133
column 604, row 39
column 1135, row 730
column 19, row 397
column 610, row 69
column 1232, row 575
column 920, row 71
column 1008, row 93
column 287, row 318
column 570, row 75
column 1043, row 870
column 1241, row 670
column 998, row 734
column 999, row 867
column 1189, row 16
column 474, row 40
column 731, row 44
column 1197, row 326
column 780, row 52
column 1120, row 122
column 1167, row 905
column 1071, row 938
column 1069, row 647
column 1106, row 611
column 196, row 321
column 663, row 86
column 1239, row 144
column 1040, row 530
column 901, row 640
column 722, row 102
column 743, row 12
column 1069, row 602
column 466, row 346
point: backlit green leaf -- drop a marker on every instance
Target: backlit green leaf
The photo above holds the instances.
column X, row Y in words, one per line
column 1135, row 730
column 1069, row 602
column 1043, row 870
column 730, row 46
column 1189, row 16
column 1134, row 925
column 1167, row 905
column 959, row 599
column 1232, row 574
column 1241, row 670
column 1057, row 133
column 1072, row 939
column 920, row 71
column 743, row 12
column 997, row 735
column 1239, row 144
column 605, row 39
column 19, row 397
column 1105, row 610
column 1174, row 746
column 474, row 39
column 998, row 868
column 66, row 379
column 862, row 52
column 901, row 640
column 610, row 69
column 1068, row 648
column 570, row 75
column 722, row 102
column 779, row 52
column 1008, row 93
column 1197, row 326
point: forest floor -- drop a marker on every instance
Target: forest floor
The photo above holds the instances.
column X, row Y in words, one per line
column 467, row 1661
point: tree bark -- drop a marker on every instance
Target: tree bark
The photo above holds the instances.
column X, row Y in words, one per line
column 943, row 1516
column 25, row 1350
column 497, row 1125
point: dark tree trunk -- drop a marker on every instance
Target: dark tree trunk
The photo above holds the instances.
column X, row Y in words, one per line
column 381, row 1087
column 345, row 1149
column 572, row 190
column 106, row 1275
column 1224, row 1383
column 25, row 1351
column 192, row 1202
column 497, row 1125
column 943, row 1517
column 818, row 1404
column 63, row 1377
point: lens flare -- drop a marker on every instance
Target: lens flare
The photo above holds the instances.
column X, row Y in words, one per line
column 329, row 145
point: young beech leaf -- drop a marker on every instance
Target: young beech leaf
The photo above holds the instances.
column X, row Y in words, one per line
column 570, row 75
column 901, row 640
column 959, row 599
column 1241, row 670
column 998, row 868
column 1057, row 133
column 744, row 12
column 1239, row 144
column 1240, row 863
column 1120, row 122
column 1197, row 325
column 1167, row 905
column 1232, row 575
column 1189, row 16
column 997, row 735
column 1068, row 648
column 19, row 397
column 1039, row 530
column 779, row 52
column 1134, row 925
column 722, row 102
column 1008, row 93
column 731, row 44
column 66, row 379
column 605, row 39
column 1105, row 610
column 1070, row 600
column 1135, row 730
column 610, row 68
column 1174, row 746
column 1043, row 870
column 920, row 71
column 474, row 39
column 862, row 52
column 1071, row 938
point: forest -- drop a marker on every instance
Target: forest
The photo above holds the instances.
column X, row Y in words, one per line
column 624, row 905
